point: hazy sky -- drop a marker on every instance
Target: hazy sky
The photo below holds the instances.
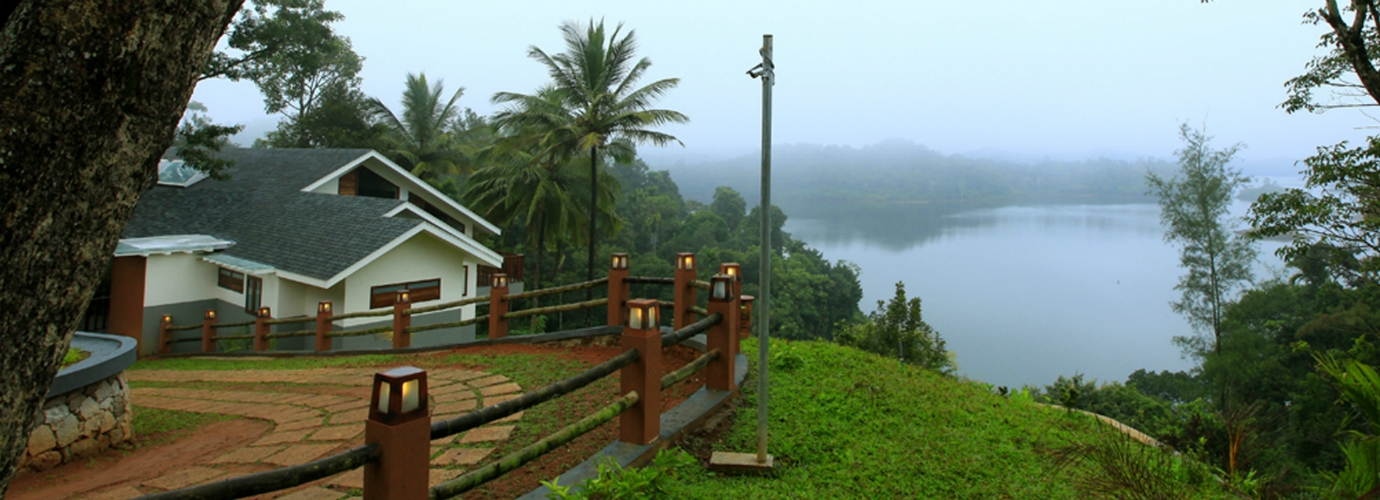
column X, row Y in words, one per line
column 1067, row 79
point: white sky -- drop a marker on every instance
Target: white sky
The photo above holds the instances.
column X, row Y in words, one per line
column 1066, row 79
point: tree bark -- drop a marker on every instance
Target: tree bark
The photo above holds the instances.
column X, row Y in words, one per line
column 90, row 94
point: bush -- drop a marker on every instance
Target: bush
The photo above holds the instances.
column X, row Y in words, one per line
column 616, row 482
column 896, row 329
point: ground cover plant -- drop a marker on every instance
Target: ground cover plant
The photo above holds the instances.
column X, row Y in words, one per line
column 850, row 424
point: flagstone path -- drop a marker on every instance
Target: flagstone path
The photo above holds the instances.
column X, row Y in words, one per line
column 315, row 413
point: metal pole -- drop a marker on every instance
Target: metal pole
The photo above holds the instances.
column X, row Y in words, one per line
column 764, row 317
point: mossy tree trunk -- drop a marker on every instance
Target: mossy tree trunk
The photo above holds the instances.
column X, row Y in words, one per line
column 90, row 94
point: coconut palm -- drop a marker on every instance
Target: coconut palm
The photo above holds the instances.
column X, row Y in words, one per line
column 421, row 139
column 599, row 105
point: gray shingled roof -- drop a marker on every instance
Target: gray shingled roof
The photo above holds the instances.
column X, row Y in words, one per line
column 263, row 210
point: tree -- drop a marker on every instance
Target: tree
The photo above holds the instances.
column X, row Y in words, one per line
column 198, row 140
column 1193, row 209
column 729, row 204
column 597, row 86
column 420, row 140
column 91, row 94
column 342, row 119
column 897, row 329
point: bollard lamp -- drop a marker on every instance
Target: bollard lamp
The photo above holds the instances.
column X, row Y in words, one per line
column 685, row 261
column 619, row 261
column 399, row 395
column 211, row 314
column 500, row 280
column 264, row 312
column 323, row 307
column 644, row 314
column 732, row 269
column 720, row 287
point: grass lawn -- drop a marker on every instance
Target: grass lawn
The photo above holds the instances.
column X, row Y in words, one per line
column 850, row 424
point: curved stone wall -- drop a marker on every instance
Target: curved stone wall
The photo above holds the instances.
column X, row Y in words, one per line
column 88, row 408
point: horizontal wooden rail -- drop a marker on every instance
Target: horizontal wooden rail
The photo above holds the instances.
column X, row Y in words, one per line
column 448, row 305
column 362, row 314
column 453, row 324
column 699, row 310
column 188, row 339
column 232, row 337
column 276, row 479
column 690, row 330
column 445, row 428
column 294, row 333
column 294, row 319
column 356, row 333
column 531, row 452
column 686, row 371
column 557, row 309
column 702, row 285
column 556, row 290
column 649, row 280
column 177, row 328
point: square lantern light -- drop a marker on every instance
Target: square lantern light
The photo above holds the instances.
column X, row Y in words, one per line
column 685, row 261
column 399, row 395
column 403, row 297
column 323, row 307
column 732, row 269
column 721, row 287
column 644, row 314
column 211, row 314
column 500, row 280
column 264, row 312
column 619, row 261
column 167, row 318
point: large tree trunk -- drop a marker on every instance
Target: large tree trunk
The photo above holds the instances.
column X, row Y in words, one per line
column 90, row 93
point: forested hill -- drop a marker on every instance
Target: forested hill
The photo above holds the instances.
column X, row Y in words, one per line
column 901, row 172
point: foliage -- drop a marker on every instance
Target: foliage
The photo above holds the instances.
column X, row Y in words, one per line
column 150, row 421
column 1117, row 466
column 598, row 104
column 421, row 140
column 342, row 119
column 896, row 328
column 198, row 140
column 74, row 355
column 1347, row 71
column 1193, row 208
column 1360, row 385
column 614, row 481
column 852, row 424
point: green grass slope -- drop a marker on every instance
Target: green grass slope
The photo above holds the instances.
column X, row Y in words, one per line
column 850, row 424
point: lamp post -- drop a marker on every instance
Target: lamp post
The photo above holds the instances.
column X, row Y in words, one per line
column 498, row 306
column 400, row 424
column 641, row 423
column 767, row 72
column 401, row 320
column 618, row 289
column 323, row 326
column 208, row 331
column 734, row 272
column 261, row 328
column 723, row 336
column 686, row 295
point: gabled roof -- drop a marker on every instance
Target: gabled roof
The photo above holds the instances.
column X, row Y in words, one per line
column 263, row 209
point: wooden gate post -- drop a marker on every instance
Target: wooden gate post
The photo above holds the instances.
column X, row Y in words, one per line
column 723, row 335
column 402, row 321
column 208, row 331
column 323, row 326
column 261, row 329
column 686, row 294
column 641, row 424
column 498, row 306
column 618, row 289
column 165, row 336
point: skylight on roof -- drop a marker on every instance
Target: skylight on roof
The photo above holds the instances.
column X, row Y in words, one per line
column 178, row 173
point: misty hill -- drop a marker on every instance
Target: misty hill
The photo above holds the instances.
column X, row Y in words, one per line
column 895, row 172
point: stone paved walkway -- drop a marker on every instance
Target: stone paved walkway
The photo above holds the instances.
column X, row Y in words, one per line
column 322, row 416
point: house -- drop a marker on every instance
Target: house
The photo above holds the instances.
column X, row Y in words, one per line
column 289, row 229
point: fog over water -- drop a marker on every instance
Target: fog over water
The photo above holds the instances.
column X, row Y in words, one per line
column 1024, row 294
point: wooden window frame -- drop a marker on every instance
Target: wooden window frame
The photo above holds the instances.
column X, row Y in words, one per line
column 385, row 295
column 253, row 294
column 230, row 279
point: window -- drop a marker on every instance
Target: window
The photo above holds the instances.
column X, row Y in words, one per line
column 231, row 280
column 253, row 294
column 418, row 291
column 364, row 182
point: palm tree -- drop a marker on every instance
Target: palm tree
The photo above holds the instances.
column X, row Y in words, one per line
column 421, row 139
column 599, row 105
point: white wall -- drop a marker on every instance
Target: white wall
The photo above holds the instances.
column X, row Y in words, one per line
column 330, row 187
column 178, row 278
column 423, row 257
column 299, row 299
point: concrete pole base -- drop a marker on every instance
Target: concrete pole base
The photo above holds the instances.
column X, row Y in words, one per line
column 740, row 464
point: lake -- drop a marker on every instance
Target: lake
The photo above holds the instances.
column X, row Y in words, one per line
column 1023, row 294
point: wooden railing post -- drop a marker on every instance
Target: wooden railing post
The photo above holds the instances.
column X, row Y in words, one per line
column 641, row 424
column 498, row 306
column 261, row 329
column 323, row 326
column 400, row 424
column 165, row 336
column 735, row 271
column 745, row 316
column 723, row 335
column 686, row 294
column 618, row 289
column 208, row 331
column 401, row 321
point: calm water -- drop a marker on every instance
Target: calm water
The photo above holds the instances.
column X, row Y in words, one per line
column 1023, row 294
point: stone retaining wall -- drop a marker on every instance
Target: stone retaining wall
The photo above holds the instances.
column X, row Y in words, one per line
column 80, row 424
